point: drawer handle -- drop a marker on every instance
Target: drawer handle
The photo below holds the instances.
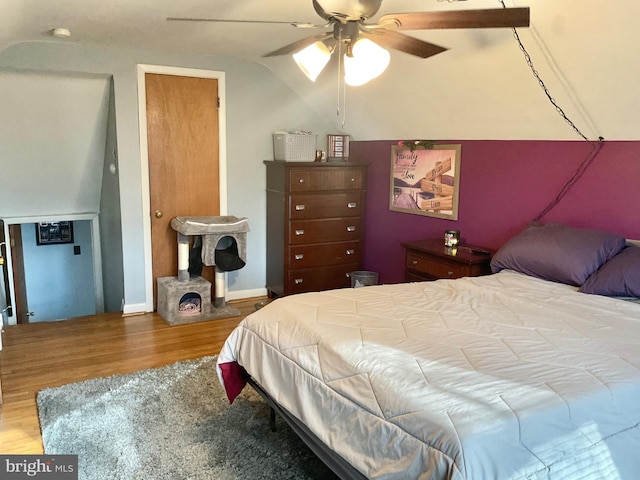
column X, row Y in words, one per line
column 299, row 232
column 298, row 281
column 353, row 180
column 301, row 180
column 415, row 262
column 299, row 256
column 352, row 205
column 351, row 228
column 351, row 251
column 450, row 273
column 299, row 207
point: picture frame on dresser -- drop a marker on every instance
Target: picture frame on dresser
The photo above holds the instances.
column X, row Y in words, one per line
column 425, row 180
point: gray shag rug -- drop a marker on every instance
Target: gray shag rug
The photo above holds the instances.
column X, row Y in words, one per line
column 172, row 423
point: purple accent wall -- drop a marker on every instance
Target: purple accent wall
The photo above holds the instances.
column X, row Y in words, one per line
column 504, row 185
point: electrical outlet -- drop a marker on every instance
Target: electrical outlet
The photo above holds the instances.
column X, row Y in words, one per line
column 76, row 249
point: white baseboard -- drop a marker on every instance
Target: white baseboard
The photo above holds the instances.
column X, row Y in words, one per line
column 133, row 309
column 240, row 294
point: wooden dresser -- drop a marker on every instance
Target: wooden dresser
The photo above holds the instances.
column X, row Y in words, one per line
column 314, row 225
column 431, row 260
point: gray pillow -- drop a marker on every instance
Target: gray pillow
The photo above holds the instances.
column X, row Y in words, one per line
column 619, row 277
column 557, row 252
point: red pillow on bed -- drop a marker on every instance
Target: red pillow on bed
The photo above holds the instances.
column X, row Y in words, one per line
column 619, row 277
column 557, row 252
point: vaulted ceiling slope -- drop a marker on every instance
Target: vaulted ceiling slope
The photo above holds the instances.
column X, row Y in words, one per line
column 480, row 88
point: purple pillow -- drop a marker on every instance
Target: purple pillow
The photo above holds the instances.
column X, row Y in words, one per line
column 557, row 252
column 619, row 277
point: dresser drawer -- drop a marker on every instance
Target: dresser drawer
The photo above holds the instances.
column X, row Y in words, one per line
column 344, row 204
column 435, row 267
column 323, row 231
column 305, row 256
column 325, row 178
column 321, row 278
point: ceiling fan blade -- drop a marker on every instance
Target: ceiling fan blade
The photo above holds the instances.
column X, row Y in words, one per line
column 485, row 18
column 221, row 20
column 298, row 45
column 404, row 43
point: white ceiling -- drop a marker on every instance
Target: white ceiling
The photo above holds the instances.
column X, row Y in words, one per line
column 584, row 50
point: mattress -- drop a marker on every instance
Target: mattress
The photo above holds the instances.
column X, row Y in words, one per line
column 497, row 377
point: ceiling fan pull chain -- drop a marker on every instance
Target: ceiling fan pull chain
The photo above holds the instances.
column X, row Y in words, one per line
column 342, row 86
column 344, row 103
column 339, row 75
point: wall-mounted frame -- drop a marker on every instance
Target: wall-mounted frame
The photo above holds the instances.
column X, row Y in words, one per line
column 53, row 233
column 425, row 180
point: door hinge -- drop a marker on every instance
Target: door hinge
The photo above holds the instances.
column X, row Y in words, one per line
column 218, row 102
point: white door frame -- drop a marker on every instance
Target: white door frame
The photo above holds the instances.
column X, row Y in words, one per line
column 95, row 246
column 144, row 155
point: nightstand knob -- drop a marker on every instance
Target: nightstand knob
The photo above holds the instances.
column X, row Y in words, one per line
column 351, row 228
column 450, row 273
column 415, row 262
column 298, row 281
column 299, row 232
column 351, row 252
column 298, row 256
column 352, row 205
column 301, row 180
column 299, row 207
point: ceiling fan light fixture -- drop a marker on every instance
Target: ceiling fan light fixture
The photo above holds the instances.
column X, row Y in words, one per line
column 367, row 61
column 313, row 59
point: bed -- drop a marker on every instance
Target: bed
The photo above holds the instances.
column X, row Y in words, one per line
column 506, row 376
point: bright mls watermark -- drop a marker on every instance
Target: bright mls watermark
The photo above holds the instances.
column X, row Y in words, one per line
column 49, row 467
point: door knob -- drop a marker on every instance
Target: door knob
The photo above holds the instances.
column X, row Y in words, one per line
column 158, row 214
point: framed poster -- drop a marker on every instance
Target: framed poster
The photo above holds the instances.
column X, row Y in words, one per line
column 51, row 233
column 425, row 179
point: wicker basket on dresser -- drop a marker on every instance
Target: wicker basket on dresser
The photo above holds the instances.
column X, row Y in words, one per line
column 314, row 225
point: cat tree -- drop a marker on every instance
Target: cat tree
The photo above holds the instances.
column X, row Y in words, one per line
column 187, row 298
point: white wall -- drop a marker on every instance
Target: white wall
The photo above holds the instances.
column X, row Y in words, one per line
column 59, row 283
column 52, row 141
column 257, row 104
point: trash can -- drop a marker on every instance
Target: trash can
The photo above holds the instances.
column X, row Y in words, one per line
column 363, row 278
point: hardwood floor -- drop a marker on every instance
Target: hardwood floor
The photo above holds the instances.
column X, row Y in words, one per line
column 39, row 355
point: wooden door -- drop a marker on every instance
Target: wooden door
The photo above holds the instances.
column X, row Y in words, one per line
column 21, row 312
column 5, row 294
column 182, row 137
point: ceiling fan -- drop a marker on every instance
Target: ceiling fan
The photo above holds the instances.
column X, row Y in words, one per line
column 364, row 43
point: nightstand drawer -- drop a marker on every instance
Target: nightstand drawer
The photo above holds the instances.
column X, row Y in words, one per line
column 346, row 204
column 430, row 260
column 323, row 231
column 306, row 256
column 436, row 268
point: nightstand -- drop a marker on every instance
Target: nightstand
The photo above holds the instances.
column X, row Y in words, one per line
column 431, row 260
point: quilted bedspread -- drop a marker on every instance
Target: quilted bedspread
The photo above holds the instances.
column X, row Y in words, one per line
column 496, row 377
